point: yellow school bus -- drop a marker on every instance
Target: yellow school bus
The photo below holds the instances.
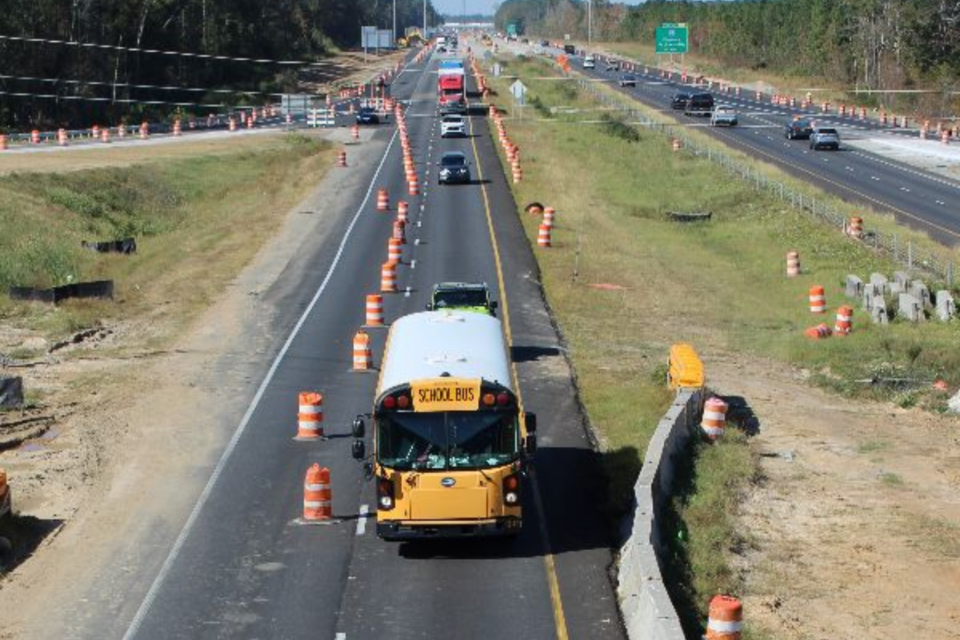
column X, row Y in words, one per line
column 450, row 437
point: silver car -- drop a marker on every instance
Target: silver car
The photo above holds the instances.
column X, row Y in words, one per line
column 453, row 126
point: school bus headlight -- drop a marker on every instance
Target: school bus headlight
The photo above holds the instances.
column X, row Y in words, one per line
column 511, row 497
column 386, row 502
column 384, row 494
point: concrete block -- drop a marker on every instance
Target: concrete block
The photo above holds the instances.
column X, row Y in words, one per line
column 903, row 279
column 909, row 308
column 946, row 309
column 11, row 392
column 920, row 291
column 878, row 310
column 879, row 280
column 895, row 288
column 854, row 287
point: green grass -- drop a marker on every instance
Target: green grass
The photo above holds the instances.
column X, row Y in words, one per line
column 718, row 285
column 197, row 221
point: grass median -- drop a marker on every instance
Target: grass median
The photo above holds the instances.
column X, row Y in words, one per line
column 625, row 282
column 198, row 218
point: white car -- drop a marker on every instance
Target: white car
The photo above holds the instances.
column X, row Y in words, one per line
column 453, row 125
column 724, row 115
column 589, row 62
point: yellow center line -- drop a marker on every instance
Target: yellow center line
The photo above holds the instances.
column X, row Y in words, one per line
column 553, row 582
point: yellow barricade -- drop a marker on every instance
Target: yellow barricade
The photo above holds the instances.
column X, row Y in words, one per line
column 686, row 370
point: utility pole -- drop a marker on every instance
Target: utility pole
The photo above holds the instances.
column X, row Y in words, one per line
column 394, row 22
column 589, row 21
column 424, row 20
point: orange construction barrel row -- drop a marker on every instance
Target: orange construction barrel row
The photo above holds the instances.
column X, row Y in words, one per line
column 317, row 494
column 362, row 353
column 310, row 416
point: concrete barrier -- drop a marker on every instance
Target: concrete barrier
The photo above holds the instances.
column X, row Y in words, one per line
column 647, row 610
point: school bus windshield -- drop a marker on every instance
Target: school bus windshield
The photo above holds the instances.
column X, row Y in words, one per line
column 447, row 440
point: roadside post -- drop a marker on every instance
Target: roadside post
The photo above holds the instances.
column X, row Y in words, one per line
column 519, row 91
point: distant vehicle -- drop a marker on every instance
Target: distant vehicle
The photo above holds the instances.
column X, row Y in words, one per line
column 569, row 49
column 368, row 115
column 628, row 80
column 613, row 65
column 824, row 138
column 450, row 87
column 723, row 115
column 462, row 296
column 454, row 168
column 453, row 125
column 679, row 100
column 544, row 43
column 451, row 441
column 699, row 104
column 798, row 129
column 589, row 62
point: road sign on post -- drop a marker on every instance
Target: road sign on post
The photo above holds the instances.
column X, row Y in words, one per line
column 519, row 91
column 672, row 38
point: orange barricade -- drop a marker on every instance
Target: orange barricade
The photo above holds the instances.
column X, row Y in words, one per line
column 341, row 158
column 317, row 495
column 793, row 264
column 310, row 416
column 855, row 229
column 725, row 621
column 383, row 200
column 818, row 300
column 362, row 354
column 543, row 236
column 374, row 310
column 548, row 215
column 844, row 323
column 388, row 277
column 714, row 418
column 402, row 209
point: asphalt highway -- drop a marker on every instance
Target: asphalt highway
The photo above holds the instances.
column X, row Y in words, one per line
column 923, row 200
column 243, row 567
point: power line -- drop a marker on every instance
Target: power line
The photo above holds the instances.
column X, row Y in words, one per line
column 200, row 56
column 94, row 83
column 52, row 96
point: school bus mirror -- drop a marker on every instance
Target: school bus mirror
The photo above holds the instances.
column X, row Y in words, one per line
column 359, row 450
column 531, row 422
column 494, row 304
column 429, row 306
column 531, row 444
column 359, row 428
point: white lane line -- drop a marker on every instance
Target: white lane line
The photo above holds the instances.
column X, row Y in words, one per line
column 141, row 614
column 406, row 293
column 413, row 263
column 340, row 636
column 361, row 526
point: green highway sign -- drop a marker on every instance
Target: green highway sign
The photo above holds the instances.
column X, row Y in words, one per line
column 671, row 38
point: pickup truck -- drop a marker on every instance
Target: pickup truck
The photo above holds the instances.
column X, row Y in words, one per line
column 824, row 138
column 723, row 115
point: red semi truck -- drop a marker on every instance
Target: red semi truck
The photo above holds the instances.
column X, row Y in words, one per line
column 450, row 87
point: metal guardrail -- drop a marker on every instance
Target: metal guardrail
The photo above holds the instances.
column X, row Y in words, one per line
column 902, row 252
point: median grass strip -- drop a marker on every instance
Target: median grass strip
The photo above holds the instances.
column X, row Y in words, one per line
column 625, row 282
column 198, row 219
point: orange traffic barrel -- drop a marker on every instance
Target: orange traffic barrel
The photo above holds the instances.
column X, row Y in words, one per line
column 548, row 215
column 844, row 323
column 317, row 495
column 341, row 158
column 388, row 277
column 402, row 209
column 176, row 128
column 362, row 354
column 374, row 310
column 818, row 300
column 517, row 173
column 677, row 145
column 399, row 231
column 543, row 236
column 383, row 200
column 714, row 418
column 793, row 264
column 35, row 137
column 394, row 250
column 62, row 137
column 818, row 332
column 310, row 416
column 250, row 121
column 105, row 135
column 144, row 130
column 414, row 189
column 725, row 619
column 3, row 142
column 232, row 126
column 409, row 172
column 855, row 228
column 945, row 137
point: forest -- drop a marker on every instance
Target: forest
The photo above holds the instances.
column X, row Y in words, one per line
column 44, row 84
column 878, row 45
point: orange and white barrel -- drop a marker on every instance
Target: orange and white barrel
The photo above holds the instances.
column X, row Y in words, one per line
column 394, row 250
column 543, row 236
column 35, row 137
column 818, row 300
column 793, row 264
column 362, row 354
column 863, row 113
column 400, row 231
column 341, row 158
column 310, row 416
column 62, row 137
column 95, row 131
column 414, row 189
column 945, row 137
column 402, row 210
column 374, row 310
column 855, row 228
column 232, row 124
column 251, row 119
column 725, row 619
column 549, row 213
column 105, row 135
column 176, row 128
column 516, row 171
column 121, row 131
column 388, row 277
column 818, row 332
column 317, row 494
column 714, row 419
column 3, row 142
column 677, row 145
column 355, row 131
column 383, row 200
column 288, row 119
column 844, row 323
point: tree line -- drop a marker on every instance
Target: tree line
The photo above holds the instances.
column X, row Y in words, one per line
column 873, row 45
column 74, row 76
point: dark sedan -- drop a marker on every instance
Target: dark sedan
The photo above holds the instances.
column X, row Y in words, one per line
column 799, row 129
column 453, row 168
column 628, row 80
column 368, row 115
column 679, row 100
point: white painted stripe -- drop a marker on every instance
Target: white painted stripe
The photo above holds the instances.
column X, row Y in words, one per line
column 309, row 409
column 316, row 487
column 316, row 504
column 340, row 636
column 724, row 626
column 362, row 520
column 714, row 415
column 188, row 526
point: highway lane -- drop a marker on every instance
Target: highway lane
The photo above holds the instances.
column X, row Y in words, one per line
column 924, row 201
column 244, row 568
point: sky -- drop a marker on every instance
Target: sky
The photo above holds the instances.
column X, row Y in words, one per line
column 455, row 7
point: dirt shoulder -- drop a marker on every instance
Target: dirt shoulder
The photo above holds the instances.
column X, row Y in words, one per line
column 132, row 453
column 855, row 527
